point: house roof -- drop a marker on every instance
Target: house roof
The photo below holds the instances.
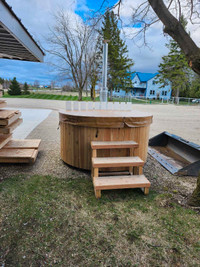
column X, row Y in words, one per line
column 144, row 77
column 15, row 40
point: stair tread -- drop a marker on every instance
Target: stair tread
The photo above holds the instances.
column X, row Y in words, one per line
column 113, row 144
column 120, row 182
column 117, row 162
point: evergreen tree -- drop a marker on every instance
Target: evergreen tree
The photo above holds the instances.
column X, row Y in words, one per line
column 119, row 65
column 174, row 67
column 25, row 89
column 1, row 80
column 14, row 88
column 195, row 87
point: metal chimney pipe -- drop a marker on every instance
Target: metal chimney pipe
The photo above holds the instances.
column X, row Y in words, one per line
column 104, row 90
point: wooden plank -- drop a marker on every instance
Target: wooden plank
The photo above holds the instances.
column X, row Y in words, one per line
column 146, row 190
column 96, row 172
column 113, row 144
column 117, row 162
column 11, row 117
column 34, row 156
column 26, row 143
column 4, row 139
column 2, row 104
column 97, row 193
column 11, row 127
column 94, row 153
column 7, row 114
column 120, row 182
column 18, row 155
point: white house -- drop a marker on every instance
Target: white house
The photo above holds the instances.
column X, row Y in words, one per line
column 145, row 85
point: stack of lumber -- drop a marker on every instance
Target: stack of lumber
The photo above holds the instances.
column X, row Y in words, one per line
column 135, row 177
column 14, row 151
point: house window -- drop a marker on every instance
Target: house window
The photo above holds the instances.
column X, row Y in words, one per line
column 154, row 82
column 164, row 93
column 152, row 92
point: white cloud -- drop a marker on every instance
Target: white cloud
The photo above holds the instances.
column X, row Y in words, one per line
column 147, row 59
column 36, row 15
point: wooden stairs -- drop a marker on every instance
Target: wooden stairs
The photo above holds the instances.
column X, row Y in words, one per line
column 115, row 180
column 15, row 151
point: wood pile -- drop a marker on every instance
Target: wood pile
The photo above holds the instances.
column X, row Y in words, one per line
column 11, row 150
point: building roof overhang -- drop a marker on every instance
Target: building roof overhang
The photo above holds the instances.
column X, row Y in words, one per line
column 15, row 40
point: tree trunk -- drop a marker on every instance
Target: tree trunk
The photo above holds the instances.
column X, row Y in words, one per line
column 92, row 93
column 195, row 197
column 111, row 94
column 80, row 94
column 175, row 29
column 177, row 96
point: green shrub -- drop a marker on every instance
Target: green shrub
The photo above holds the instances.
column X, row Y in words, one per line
column 14, row 88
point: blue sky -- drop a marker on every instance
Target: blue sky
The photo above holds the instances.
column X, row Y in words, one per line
column 36, row 15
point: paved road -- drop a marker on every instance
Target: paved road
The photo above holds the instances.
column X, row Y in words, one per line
column 35, row 103
column 180, row 120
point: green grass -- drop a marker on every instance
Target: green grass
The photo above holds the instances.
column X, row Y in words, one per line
column 49, row 221
column 49, row 97
column 74, row 98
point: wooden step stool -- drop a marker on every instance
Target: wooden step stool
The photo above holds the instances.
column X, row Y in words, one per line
column 131, row 145
column 117, row 182
column 15, row 151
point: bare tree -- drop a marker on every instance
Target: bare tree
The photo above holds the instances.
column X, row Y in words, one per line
column 72, row 45
column 53, row 83
column 169, row 12
column 36, row 84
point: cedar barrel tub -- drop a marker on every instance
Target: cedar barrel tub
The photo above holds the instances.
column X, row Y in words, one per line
column 79, row 128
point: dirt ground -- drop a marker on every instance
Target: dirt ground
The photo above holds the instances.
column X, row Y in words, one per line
column 186, row 123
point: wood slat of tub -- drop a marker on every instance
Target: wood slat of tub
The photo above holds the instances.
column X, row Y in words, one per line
column 75, row 142
column 72, row 135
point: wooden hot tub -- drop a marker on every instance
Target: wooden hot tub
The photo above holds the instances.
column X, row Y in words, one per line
column 79, row 128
